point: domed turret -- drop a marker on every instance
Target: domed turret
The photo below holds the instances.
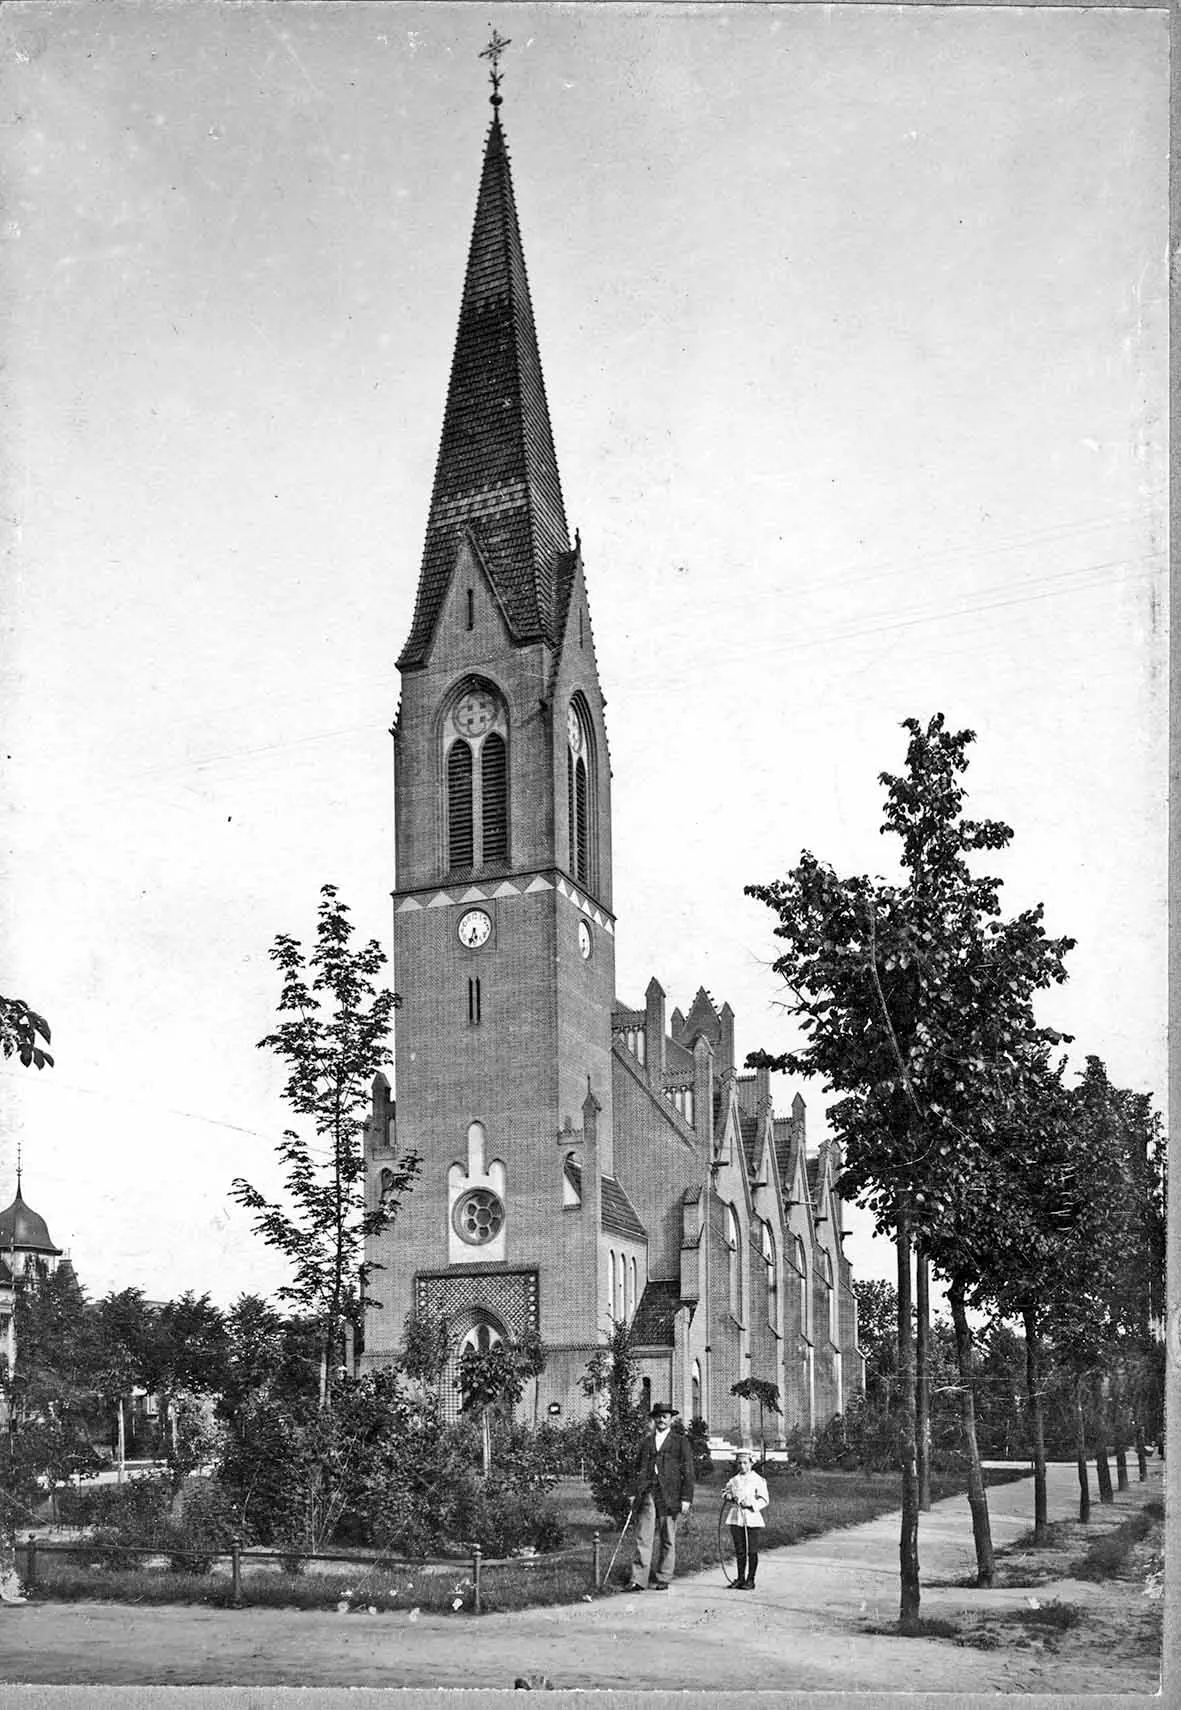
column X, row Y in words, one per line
column 24, row 1231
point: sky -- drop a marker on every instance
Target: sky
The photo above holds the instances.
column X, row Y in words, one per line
column 853, row 323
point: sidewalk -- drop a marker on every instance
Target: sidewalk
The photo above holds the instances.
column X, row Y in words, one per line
column 801, row 1631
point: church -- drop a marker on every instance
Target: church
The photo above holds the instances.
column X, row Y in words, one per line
column 585, row 1160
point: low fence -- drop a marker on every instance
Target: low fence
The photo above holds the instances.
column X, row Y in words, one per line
column 34, row 1549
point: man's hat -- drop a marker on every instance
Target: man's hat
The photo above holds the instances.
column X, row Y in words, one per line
column 664, row 1410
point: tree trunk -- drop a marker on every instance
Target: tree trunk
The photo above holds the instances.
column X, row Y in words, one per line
column 486, row 1441
column 324, row 1372
column 1141, row 1453
column 922, row 1357
column 977, row 1496
column 1103, row 1439
column 1080, row 1441
column 122, row 1441
column 908, row 1546
column 1037, row 1428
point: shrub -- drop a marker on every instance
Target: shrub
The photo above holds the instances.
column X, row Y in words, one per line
column 128, row 1519
column 504, row 1520
column 203, row 1527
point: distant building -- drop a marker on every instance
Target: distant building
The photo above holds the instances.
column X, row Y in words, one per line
column 583, row 1162
column 25, row 1246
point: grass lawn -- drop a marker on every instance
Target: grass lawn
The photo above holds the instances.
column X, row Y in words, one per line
column 802, row 1506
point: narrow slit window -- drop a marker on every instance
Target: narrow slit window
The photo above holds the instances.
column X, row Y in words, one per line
column 473, row 1001
column 471, row 609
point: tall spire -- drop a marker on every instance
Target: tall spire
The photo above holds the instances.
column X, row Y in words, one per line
column 497, row 474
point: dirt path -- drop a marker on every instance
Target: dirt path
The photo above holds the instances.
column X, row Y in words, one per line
column 802, row 1630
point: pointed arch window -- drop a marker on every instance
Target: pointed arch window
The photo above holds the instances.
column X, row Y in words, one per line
column 734, row 1272
column 460, row 821
column 802, row 1268
column 476, row 795
column 768, row 1249
column 580, row 792
column 494, row 797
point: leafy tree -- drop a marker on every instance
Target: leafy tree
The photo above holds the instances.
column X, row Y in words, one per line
column 877, row 1337
column 495, row 1377
column 53, row 1406
column 616, row 1428
column 333, row 1038
column 767, row 1396
column 187, row 1353
column 914, row 1002
column 254, row 1352
column 21, row 1033
column 125, row 1333
column 426, row 1351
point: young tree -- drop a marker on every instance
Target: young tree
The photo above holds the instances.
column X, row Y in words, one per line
column 767, row 1396
column 616, row 1428
column 333, row 1038
column 496, row 1377
column 915, row 1002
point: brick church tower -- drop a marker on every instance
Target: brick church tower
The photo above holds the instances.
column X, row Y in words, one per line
column 584, row 1162
column 503, row 930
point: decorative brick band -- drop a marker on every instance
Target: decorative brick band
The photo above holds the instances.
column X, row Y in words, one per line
column 525, row 884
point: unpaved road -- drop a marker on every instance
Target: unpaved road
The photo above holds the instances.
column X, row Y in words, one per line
column 802, row 1630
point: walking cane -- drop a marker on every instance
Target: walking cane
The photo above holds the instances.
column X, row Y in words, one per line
column 631, row 1514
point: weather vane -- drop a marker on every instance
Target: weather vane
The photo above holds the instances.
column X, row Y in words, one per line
column 493, row 52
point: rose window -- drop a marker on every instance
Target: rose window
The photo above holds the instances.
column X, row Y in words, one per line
column 479, row 1217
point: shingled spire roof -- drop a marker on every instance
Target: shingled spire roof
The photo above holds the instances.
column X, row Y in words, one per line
column 497, row 475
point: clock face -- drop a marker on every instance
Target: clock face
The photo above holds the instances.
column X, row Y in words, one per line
column 475, row 928
column 475, row 713
column 584, row 940
column 574, row 731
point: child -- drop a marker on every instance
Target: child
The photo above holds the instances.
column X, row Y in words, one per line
column 746, row 1496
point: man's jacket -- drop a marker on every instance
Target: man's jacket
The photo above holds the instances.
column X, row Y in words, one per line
column 669, row 1474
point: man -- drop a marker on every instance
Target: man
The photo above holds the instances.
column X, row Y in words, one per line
column 663, row 1492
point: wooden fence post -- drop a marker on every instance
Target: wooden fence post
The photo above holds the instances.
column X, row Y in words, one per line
column 477, row 1555
column 236, row 1569
column 31, row 1562
column 598, row 1565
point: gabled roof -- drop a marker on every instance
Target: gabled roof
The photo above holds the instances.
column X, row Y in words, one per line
column 618, row 1213
column 497, row 473
column 652, row 1326
column 751, row 1129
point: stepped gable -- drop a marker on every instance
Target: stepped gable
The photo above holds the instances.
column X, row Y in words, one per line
column 652, row 1326
column 496, row 479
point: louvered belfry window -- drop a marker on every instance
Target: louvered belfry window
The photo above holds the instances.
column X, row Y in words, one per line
column 477, row 779
column 494, row 798
column 460, row 807
column 579, row 795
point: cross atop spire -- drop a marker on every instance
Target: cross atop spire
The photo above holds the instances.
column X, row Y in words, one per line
column 493, row 52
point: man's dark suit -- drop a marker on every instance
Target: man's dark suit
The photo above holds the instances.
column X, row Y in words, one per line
column 663, row 1482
